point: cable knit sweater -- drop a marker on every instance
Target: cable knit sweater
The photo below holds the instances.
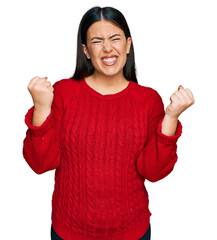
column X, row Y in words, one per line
column 103, row 148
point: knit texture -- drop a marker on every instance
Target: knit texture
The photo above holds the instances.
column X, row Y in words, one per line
column 103, row 148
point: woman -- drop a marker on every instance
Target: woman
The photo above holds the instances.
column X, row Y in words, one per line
column 104, row 134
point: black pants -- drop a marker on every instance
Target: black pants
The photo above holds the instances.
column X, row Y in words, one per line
column 147, row 235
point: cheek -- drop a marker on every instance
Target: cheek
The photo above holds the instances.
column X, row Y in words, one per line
column 120, row 48
column 95, row 52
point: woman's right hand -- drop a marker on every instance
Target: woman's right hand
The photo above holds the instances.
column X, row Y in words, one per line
column 41, row 92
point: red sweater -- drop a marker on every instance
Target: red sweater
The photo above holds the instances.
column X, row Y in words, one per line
column 103, row 148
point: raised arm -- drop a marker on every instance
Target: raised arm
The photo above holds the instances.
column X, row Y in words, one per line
column 158, row 156
column 41, row 146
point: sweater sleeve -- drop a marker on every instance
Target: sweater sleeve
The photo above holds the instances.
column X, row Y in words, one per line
column 41, row 146
column 159, row 154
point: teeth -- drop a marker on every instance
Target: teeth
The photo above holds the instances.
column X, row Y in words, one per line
column 109, row 59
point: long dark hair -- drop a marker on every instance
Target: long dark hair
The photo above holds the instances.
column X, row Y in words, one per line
column 84, row 67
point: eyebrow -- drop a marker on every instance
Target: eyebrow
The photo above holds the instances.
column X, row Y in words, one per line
column 109, row 37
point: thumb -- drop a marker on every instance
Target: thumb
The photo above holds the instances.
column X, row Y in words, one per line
column 180, row 86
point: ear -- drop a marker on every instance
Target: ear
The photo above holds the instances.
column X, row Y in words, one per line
column 85, row 51
column 129, row 41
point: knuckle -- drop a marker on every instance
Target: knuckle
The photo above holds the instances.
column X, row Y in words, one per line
column 192, row 101
column 35, row 77
column 38, row 87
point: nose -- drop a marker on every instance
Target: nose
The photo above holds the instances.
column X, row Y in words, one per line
column 107, row 46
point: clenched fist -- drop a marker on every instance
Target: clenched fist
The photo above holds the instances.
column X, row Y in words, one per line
column 180, row 101
column 41, row 92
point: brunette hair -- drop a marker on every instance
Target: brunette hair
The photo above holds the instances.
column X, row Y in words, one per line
column 84, row 67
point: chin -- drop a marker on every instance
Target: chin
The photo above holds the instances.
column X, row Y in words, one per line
column 112, row 71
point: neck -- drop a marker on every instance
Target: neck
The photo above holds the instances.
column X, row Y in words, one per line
column 106, row 80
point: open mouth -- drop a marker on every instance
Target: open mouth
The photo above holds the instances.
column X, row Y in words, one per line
column 109, row 61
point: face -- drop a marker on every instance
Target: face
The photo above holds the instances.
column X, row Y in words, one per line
column 107, row 47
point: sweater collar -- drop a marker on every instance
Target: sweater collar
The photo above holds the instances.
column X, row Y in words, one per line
column 107, row 96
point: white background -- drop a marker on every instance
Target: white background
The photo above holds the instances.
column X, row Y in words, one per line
column 175, row 43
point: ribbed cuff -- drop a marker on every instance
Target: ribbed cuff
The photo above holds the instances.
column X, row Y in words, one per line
column 169, row 139
column 43, row 128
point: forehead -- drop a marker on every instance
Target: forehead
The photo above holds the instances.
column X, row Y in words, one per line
column 103, row 28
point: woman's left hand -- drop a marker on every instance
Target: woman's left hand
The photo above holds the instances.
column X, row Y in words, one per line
column 181, row 99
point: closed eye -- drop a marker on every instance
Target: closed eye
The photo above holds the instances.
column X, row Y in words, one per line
column 97, row 42
column 112, row 40
column 116, row 39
